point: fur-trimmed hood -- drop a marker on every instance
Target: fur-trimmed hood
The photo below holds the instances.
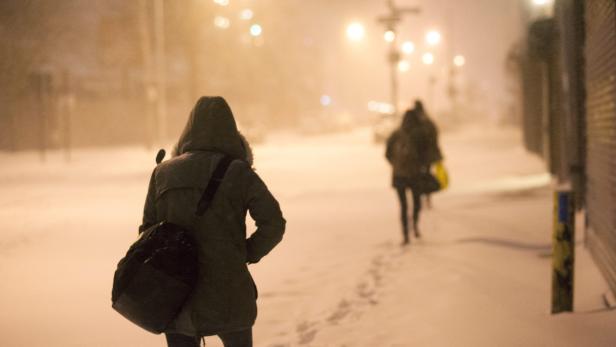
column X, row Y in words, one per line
column 211, row 127
column 224, row 297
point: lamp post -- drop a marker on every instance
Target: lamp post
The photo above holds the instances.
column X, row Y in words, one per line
column 543, row 8
column 390, row 21
column 428, row 60
column 355, row 32
column 161, row 79
column 456, row 64
column 433, row 38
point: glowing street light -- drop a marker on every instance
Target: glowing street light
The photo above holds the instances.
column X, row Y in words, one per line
column 544, row 8
column 433, row 37
column 221, row 2
column 459, row 60
column 389, row 36
column 381, row 107
column 246, row 14
column 427, row 58
column 326, row 100
column 222, row 22
column 404, row 66
column 355, row 31
column 408, row 47
column 256, row 30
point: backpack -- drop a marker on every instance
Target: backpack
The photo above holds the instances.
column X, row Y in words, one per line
column 404, row 153
column 160, row 269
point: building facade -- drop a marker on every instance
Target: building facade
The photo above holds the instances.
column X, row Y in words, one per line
column 600, row 117
column 569, row 83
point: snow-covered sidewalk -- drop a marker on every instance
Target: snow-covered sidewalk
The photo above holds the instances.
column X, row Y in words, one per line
column 480, row 276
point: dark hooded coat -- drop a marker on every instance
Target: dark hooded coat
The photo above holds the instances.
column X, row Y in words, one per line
column 411, row 149
column 431, row 150
column 224, row 298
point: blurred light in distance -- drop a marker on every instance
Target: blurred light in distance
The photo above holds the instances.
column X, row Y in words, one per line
column 408, row 47
column 427, row 58
column 256, row 30
column 222, row 22
column 404, row 66
column 540, row 2
column 221, row 2
column 459, row 60
column 355, row 31
column 380, row 107
column 433, row 37
column 389, row 36
column 326, row 100
column 246, row 14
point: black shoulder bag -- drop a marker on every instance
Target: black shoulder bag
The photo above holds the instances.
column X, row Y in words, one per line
column 159, row 271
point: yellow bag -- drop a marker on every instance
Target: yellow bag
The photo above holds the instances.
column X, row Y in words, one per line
column 440, row 172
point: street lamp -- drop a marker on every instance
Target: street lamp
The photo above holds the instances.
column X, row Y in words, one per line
column 427, row 58
column 389, row 36
column 246, row 14
column 391, row 21
column 459, row 60
column 222, row 22
column 408, row 47
column 433, row 37
column 355, row 31
column 325, row 100
column 543, row 7
column 404, row 66
column 256, row 30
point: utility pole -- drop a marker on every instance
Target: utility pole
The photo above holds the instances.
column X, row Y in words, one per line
column 391, row 21
column 161, row 80
column 149, row 91
column 40, row 83
column 66, row 108
column 451, row 70
column 192, row 48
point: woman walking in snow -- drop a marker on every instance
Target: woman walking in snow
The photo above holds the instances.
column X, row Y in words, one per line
column 223, row 301
column 406, row 152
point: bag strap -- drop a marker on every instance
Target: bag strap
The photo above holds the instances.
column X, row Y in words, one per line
column 213, row 184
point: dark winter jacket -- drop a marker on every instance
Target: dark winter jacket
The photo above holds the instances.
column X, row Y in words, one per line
column 431, row 151
column 224, row 298
column 412, row 148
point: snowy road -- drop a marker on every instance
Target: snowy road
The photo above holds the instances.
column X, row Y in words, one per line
column 479, row 277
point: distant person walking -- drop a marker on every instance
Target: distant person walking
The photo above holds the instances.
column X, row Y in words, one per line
column 223, row 301
column 431, row 150
column 410, row 154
